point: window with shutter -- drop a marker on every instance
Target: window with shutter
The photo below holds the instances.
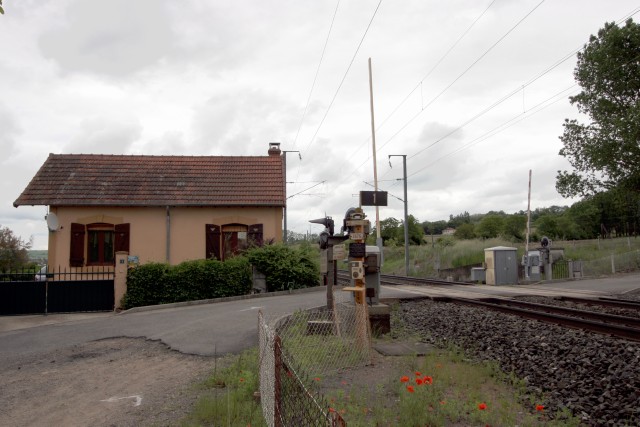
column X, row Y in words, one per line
column 255, row 235
column 212, row 246
column 122, row 237
column 100, row 244
column 76, row 257
column 234, row 240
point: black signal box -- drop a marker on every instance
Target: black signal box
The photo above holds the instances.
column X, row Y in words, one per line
column 373, row 198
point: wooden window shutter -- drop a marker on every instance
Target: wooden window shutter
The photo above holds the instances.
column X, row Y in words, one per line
column 122, row 237
column 212, row 246
column 76, row 257
column 255, row 235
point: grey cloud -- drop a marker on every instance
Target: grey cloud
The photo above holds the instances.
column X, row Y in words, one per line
column 105, row 135
column 114, row 38
column 170, row 143
column 9, row 131
column 241, row 122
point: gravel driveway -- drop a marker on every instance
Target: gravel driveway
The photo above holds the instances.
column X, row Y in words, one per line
column 111, row 382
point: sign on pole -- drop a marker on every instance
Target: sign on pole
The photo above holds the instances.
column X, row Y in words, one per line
column 373, row 198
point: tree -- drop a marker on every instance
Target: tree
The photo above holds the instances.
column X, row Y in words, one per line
column 416, row 232
column 13, row 250
column 547, row 225
column 390, row 229
column 465, row 232
column 456, row 221
column 490, row 226
column 605, row 153
column 514, row 227
column 434, row 227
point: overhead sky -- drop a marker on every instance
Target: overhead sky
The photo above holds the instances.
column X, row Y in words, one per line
column 473, row 92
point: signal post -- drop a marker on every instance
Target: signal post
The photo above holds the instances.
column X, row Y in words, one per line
column 358, row 228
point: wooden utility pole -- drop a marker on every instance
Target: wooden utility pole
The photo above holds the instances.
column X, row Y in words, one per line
column 375, row 163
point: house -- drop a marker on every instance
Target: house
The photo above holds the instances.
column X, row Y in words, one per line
column 449, row 231
column 157, row 208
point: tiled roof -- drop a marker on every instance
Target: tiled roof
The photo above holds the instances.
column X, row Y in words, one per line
column 113, row 180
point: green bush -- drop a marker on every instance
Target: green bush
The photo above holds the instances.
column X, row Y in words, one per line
column 145, row 285
column 156, row 283
column 285, row 267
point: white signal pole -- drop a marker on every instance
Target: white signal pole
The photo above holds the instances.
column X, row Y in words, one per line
column 526, row 247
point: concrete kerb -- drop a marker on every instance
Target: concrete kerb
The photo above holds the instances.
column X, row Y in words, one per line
column 223, row 299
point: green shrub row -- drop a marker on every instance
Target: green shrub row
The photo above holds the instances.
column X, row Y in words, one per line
column 157, row 283
column 284, row 267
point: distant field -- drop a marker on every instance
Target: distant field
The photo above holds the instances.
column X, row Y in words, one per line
column 38, row 255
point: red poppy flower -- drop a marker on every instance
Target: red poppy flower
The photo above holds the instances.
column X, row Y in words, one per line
column 418, row 374
column 331, row 409
column 404, row 379
column 539, row 407
column 482, row 406
column 410, row 389
column 419, row 381
column 427, row 380
column 317, row 379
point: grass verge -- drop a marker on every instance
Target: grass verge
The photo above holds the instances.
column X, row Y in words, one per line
column 442, row 388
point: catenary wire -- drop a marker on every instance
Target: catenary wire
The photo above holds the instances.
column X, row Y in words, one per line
column 315, row 78
column 344, row 77
column 485, row 53
column 464, row 33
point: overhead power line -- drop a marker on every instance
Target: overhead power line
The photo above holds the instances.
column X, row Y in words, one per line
column 485, row 53
column 559, row 96
column 460, row 76
column 315, row 78
column 306, row 189
column 335, row 95
column 417, row 86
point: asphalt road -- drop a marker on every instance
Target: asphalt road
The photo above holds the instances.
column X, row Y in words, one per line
column 206, row 329
column 218, row 328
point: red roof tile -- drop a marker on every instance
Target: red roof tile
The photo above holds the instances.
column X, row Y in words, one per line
column 116, row 180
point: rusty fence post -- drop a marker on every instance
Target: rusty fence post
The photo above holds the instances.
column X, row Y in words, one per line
column 277, row 384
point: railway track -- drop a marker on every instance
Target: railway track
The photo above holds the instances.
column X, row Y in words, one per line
column 391, row 280
column 603, row 323
column 608, row 324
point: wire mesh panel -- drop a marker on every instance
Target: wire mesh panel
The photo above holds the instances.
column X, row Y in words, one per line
column 629, row 261
column 296, row 349
column 266, row 361
column 297, row 402
column 615, row 263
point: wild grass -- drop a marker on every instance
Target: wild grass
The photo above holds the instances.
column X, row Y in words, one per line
column 444, row 388
column 228, row 398
column 427, row 259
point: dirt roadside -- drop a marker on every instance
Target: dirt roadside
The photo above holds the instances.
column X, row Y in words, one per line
column 112, row 382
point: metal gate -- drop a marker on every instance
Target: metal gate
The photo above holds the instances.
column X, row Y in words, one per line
column 57, row 292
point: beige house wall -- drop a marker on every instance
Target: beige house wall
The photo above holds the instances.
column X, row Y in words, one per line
column 158, row 231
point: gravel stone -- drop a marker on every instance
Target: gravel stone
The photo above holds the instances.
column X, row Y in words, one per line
column 595, row 376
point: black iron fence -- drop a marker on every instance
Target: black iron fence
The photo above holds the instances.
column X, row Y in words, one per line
column 57, row 290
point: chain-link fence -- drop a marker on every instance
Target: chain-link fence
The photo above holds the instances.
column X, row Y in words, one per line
column 615, row 263
column 297, row 349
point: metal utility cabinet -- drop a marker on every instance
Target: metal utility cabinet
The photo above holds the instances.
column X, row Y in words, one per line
column 502, row 265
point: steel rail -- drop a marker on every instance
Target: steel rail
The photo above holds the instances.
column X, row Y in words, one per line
column 585, row 314
column 574, row 322
column 604, row 301
column 393, row 280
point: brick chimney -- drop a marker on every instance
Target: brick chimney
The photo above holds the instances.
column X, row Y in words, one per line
column 274, row 149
